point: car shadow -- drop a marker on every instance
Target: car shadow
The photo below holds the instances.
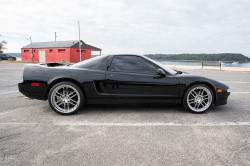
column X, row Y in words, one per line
column 145, row 108
column 162, row 108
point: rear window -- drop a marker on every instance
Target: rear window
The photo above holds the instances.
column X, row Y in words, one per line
column 92, row 63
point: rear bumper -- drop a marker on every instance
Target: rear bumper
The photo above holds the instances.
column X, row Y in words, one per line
column 221, row 98
column 30, row 92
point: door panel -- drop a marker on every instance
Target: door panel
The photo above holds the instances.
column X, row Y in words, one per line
column 133, row 79
column 142, row 88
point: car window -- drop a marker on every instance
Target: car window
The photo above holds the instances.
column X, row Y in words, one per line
column 170, row 71
column 92, row 63
column 132, row 64
column 3, row 55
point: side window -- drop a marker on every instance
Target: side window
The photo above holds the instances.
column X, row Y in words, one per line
column 92, row 63
column 3, row 55
column 132, row 64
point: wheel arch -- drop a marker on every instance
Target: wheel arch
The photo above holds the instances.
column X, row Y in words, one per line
column 201, row 82
column 54, row 82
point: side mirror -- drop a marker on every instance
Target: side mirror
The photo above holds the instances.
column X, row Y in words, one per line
column 161, row 73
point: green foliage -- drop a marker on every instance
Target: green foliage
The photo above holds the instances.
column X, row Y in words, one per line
column 201, row 57
column 2, row 43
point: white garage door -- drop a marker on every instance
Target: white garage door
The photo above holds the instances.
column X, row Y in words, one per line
column 42, row 57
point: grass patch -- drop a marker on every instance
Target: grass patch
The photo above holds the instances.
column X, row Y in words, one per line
column 68, row 63
column 19, row 62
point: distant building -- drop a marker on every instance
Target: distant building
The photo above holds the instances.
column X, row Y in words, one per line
column 57, row 51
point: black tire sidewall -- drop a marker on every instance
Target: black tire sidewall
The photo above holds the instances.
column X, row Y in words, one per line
column 1, row 59
column 184, row 101
column 71, row 84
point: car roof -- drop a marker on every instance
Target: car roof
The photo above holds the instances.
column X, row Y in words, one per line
column 125, row 55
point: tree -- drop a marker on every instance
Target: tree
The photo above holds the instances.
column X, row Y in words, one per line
column 201, row 57
column 2, row 43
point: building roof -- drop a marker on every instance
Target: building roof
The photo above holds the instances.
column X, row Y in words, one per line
column 61, row 44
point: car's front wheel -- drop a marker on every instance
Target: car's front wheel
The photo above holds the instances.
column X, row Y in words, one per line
column 66, row 98
column 198, row 98
column 1, row 59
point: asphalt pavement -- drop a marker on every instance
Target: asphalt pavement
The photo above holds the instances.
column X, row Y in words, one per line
column 31, row 133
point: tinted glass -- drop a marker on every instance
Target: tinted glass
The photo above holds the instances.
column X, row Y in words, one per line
column 3, row 55
column 132, row 64
column 92, row 63
column 170, row 71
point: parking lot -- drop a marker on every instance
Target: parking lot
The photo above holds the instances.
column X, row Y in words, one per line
column 32, row 134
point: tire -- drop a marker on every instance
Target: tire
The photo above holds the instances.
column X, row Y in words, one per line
column 1, row 59
column 66, row 98
column 198, row 98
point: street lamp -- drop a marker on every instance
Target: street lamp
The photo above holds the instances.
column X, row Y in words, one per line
column 31, row 47
column 79, row 42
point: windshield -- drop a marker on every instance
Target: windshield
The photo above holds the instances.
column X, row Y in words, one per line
column 170, row 71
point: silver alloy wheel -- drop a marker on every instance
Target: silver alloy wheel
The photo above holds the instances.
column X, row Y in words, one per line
column 199, row 99
column 65, row 99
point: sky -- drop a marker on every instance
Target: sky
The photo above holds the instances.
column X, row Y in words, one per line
column 131, row 26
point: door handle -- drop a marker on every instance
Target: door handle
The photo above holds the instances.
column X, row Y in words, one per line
column 157, row 77
column 111, row 75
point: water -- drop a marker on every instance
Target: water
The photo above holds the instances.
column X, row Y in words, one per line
column 195, row 63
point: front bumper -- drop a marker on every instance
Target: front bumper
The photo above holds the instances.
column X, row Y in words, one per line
column 221, row 98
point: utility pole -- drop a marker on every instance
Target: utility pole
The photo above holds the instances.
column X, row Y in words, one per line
column 31, row 47
column 55, row 36
column 79, row 42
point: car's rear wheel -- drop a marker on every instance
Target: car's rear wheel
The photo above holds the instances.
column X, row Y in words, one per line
column 198, row 98
column 1, row 59
column 66, row 98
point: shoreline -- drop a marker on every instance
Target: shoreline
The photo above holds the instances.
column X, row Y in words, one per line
column 235, row 69
column 177, row 67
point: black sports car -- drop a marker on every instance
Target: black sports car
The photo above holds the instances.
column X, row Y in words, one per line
column 119, row 79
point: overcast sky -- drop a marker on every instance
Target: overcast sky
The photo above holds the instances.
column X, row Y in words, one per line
column 131, row 26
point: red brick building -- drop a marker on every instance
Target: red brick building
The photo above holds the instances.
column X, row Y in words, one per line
column 57, row 51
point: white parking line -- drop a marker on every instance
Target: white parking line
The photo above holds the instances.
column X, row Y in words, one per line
column 135, row 124
column 240, row 92
column 7, row 92
column 9, row 84
column 158, row 124
column 235, row 82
